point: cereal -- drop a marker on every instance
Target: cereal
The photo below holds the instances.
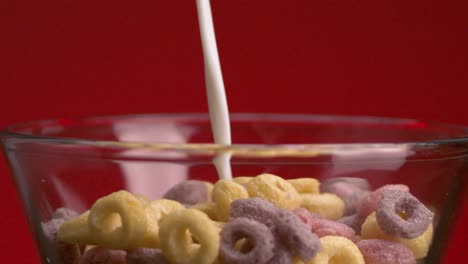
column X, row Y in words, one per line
column 258, row 236
column 413, row 223
column 296, row 236
column 64, row 213
column 360, row 183
column 369, row 203
column 76, row 230
column 143, row 199
column 155, row 212
column 349, row 193
column 190, row 192
column 354, row 221
column 178, row 248
column 377, row 251
column 338, row 250
column 327, row 205
column 254, row 208
column 100, row 255
column 274, row 189
column 242, row 180
column 306, row 216
column 306, row 185
column 146, row 256
column 419, row 246
column 282, row 254
column 117, row 221
column 209, row 208
column 225, row 192
column 65, row 252
column 323, row 227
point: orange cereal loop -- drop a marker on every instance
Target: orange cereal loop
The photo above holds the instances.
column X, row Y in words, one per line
column 338, row 250
column 179, row 248
column 419, row 245
column 117, row 221
column 275, row 190
column 224, row 193
column 328, row 205
column 155, row 212
column 306, row 185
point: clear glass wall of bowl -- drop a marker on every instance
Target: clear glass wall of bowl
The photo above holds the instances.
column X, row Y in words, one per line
column 72, row 162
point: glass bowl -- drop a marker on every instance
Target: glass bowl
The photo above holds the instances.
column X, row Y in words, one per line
column 73, row 162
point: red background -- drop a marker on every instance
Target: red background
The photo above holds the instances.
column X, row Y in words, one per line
column 67, row 58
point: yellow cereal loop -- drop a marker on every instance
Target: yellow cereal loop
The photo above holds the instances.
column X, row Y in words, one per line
column 209, row 208
column 242, row 180
column 117, row 221
column 338, row 250
column 178, row 248
column 274, row 189
column 143, row 199
column 155, row 212
column 328, row 205
column 419, row 246
column 75, row 230
column 209, row 189
column 224, row 193
column 306, row 185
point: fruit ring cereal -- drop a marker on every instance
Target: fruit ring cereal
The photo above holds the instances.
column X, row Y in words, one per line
column 296, row 236
column 306, row 185
column 254, row 208
column 258, row 237
column 155, row 212
column 146, row 256
column 224, row 193
column 306, row 216
column 419, row 246
column 369, row 203
column 327, row 205
column 376, row 251
column 324, row 227
column 242, row 180
column 98, row 255
column 65, row 252
column 178, row 248
column 415, row 220
column 190, row 192
column 349, row 193
column 354, row 221
column 274, row 189
column 117, row 221
column 339, row 249
column 76, row 230
column 64, row 213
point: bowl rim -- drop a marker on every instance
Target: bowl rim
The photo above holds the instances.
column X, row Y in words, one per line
column 257, row 150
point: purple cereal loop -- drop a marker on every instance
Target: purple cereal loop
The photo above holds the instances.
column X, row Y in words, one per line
column 296, row 236
column 259, row 237
column 254, row 208
column 282, row 254
column 360, row 183
column 146, row 256
column 418, row 217
column 354, row 221
column 376, row 251
column 369, row 203
column 349, row 193
column 188, row 192
column 63, row 252
column 100, row 255
column 64, row 213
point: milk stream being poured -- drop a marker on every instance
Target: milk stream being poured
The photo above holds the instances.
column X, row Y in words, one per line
column 217, row 103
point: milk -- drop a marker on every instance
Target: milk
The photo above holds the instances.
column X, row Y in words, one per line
column 217, row 103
